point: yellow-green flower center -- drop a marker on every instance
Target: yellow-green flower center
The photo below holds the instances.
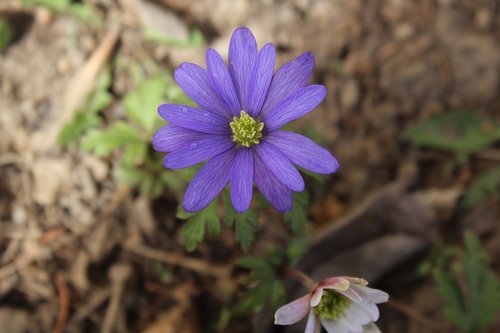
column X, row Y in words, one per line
column 333, row 305
column 246, row 130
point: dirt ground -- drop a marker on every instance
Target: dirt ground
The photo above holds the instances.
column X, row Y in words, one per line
column 80, row 252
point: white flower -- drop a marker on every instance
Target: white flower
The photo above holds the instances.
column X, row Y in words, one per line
column 340, row 304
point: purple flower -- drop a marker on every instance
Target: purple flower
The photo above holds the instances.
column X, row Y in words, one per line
column 340, row 304
column 237, row 126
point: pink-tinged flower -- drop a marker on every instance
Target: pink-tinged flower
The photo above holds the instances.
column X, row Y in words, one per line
column 340, row 304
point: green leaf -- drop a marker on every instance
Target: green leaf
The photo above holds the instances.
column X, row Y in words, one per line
column 488, row 184
column 448, row 288
column 245, row 223
column 297, row 217
column 84, row 13
column 55, row 5
column 245, row 227
column 103, row 142
column 296, row 248
column 195, row 38
column 477, row 309
column 141, row 105
column 484, row 287
column 194, row 230
column 134, row 153
column 5, row 34
column 88, row 117
column 460, row 132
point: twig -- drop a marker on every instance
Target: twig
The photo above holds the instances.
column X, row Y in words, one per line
column 415, row 315
column 81, row 85
column 94, row 301
column 489, row 154
column 118, row 274
column 303, row 278
column 62, row 317
column 200, row 266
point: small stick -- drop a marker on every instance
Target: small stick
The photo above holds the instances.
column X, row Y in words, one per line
column 82, row 85
column 62, row 317
column 303, row 278
column 200, row 266
column 118, row 274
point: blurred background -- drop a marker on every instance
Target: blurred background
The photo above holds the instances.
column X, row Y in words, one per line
column 91, row 239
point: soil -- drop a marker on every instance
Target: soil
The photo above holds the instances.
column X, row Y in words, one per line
column 81, row 252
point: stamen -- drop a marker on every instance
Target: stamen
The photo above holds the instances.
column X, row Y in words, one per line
column 333, row 305
column 246, row 130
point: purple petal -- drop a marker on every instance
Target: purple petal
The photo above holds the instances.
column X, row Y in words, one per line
column 278, row 195
column 288, row 79
column 242, row 57
column 303, row 152
column 198, row 151
column 171, row 137
column 196, row 83
column 242, row 179
column 313, row 324
column 208, row 182
column 280, row 166
column 260, row 79
column 292, row 312
column 222, row 81
column 295, row 106
column 194, row 119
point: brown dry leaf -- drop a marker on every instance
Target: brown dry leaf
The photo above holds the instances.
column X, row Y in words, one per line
column 13, row 320
column 180, row 318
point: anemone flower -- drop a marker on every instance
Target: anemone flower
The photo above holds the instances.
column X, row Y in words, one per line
column 237, row 126
column 340, row 304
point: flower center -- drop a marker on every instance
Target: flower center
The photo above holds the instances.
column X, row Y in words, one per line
column 333, row 305
column 246, row 130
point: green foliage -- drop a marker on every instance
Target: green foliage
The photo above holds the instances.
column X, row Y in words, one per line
column 488, row 184
column 297, row 217
column 195, row 38
column 264, row 281
column 130, row 138
column 474, row 305
column 140, row 105
column 80, row 11
column 120, row 134
column 5, row 34
column 194, row 229
column 245, row 223
column 88, row 117
column 460, row 132
column 437, row 258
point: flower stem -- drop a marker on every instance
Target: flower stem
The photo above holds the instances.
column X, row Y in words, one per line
column 303, row 278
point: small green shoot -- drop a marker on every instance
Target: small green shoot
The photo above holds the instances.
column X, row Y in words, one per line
column 460, row 132
column 130, row 138
column 245, row 224
column 473, row 305
column 5, row 34
column 297, row 217
column 266, row 286
column 488, row 184
column 194, row 229
column 80, row 11
column 88, row 117
column 195, row 38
